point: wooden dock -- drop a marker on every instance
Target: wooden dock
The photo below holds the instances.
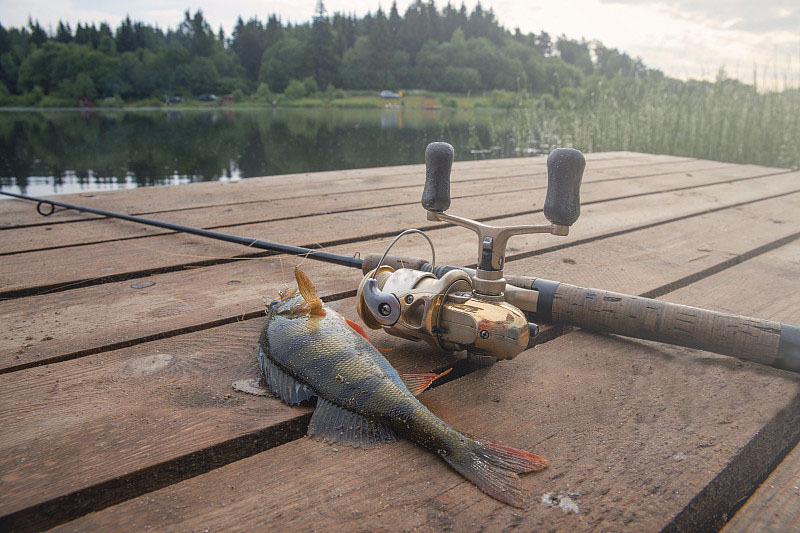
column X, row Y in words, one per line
column 121, row 343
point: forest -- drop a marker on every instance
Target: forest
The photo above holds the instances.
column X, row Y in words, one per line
column 448, row 50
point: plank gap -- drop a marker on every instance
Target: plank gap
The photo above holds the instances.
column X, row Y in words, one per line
column 158, row 336
column 541, row 251
column 332, row 212
column 378, row 189
column 49, row 289
column 719, row 500
column 655, row 293
column 70, row 506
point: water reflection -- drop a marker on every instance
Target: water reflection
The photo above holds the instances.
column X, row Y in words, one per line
column 55, row 152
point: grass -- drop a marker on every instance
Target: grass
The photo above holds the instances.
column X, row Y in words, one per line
column 722, row 121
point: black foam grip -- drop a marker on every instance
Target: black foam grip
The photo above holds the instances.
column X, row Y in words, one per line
column 438, row 161
column 564, row 174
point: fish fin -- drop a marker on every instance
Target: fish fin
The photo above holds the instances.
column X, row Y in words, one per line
column 282, row 384
column 356, row 327
column 417, row 383
column 309, row 292
column 336, row 425
column 494, row 468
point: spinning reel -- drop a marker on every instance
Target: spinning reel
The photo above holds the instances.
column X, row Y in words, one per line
column 456, row 309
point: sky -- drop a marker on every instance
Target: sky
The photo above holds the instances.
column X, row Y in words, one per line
column 683, row 38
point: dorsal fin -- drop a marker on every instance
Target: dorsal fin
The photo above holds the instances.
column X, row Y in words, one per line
column 309, row 292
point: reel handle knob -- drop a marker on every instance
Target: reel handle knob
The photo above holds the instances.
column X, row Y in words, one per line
column 438, row 162
column 565, row 166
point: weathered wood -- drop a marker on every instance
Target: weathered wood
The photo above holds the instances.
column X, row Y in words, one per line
column 169, row 251
column 225, row 352
column 310, row 201
column 205, row 194
column 635, row 433
column 113, row 414
column 178, row 422
column 44, row 327
column 775, row 506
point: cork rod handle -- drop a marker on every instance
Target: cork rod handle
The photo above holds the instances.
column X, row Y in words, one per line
column 763, row 341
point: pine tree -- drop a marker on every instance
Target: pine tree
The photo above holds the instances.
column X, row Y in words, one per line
column 324, row 61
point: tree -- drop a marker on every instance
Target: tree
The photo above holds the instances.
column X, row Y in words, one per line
column 274, row 31
column 575, row 53
column 63, row 33
column 285, row 60
column 37, row 35
column 324, row 63
column 84, row 87
column 451, row 50
column 249, row 42
column 126, row 36
column 355, row 71
column 196, row 35
column 544, row 44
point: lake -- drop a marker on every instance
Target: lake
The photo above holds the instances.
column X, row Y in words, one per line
column 54, row 152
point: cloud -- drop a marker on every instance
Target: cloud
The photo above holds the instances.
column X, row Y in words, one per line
column 745, row 15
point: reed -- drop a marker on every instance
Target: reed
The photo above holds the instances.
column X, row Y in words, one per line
column 722, row 121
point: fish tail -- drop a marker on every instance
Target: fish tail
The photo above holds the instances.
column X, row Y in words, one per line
column 494, row 468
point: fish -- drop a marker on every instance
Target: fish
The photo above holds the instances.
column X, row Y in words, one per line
column 307, row 351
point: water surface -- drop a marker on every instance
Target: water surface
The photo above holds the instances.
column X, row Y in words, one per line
column 55, row 152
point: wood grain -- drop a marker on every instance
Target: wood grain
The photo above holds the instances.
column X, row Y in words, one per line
column 648, row 435
column 633, row 431
column 305, row 202
column 44, row 327
column 234, row 345
column 172, row 251
column 73, row 425
column 775, row 506
column 206, row 194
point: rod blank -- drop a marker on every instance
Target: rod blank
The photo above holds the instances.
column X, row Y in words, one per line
column 343, row 260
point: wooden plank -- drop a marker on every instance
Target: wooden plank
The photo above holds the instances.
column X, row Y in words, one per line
column 395, row 192
column 169, row 251
column 43, row 327
column 207, row 194
column 108, row 416
column 39, row 325
column 775, row 506
column 95, row 389
column 635, row 434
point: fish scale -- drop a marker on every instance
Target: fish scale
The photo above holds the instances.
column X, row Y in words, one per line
column 307, row 350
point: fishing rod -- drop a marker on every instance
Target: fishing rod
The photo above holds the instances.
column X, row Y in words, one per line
column 47, row 207
column 493, row 316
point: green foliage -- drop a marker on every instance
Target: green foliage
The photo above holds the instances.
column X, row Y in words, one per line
column 310, row 85
column 295, row 90
column 285, row 60
column 451, row 50
column 263, row 94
